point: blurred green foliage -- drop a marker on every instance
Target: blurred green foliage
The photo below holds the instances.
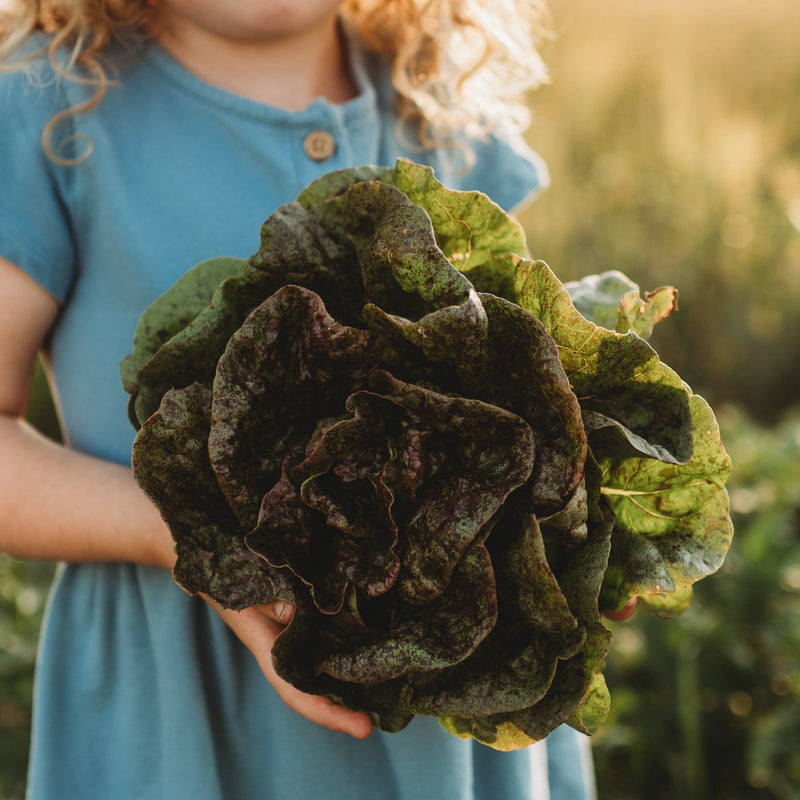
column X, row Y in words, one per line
column 23, row 589
column 707, row 705
column 23, row 593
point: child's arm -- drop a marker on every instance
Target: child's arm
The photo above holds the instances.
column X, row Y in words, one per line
column 57, row 504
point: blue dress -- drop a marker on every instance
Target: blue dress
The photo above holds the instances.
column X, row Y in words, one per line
column 141, row 690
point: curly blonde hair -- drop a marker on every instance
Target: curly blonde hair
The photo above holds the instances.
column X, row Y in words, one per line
column 458, row 66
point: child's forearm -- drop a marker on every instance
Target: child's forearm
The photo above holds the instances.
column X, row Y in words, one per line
column 59, row 505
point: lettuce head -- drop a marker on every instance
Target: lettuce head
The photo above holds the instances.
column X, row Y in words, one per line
column 392, row 418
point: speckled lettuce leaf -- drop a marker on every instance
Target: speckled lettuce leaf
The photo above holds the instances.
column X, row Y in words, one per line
column 403, row 269
column 329, row 546
column 410, row 464
column 368, row 244
column 423, row 638
column 337, row 182
column 308, row 639
column 515, row 665
column 503, row 355
column 580, row 581
column 371, row 661
column 288, row 365
column 171, row 465
column 523, row 372
column 302, row 247
column 672, row 521
column 574, row 678
column 631, row 401
column 471, row 230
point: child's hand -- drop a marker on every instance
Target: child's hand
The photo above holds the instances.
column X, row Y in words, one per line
column 624, row 613
column 258, row 627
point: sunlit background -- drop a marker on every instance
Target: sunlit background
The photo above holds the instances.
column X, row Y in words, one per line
column 672, row 132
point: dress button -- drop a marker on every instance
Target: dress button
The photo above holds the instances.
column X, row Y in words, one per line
column 319, row 145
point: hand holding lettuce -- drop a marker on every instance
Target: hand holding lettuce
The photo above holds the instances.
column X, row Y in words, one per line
column 392, row 419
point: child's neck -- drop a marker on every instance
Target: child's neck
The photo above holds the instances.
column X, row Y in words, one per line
column 286, row 72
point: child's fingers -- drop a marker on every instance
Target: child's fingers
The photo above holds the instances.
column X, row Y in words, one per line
column 279, row 611
column 623, row 613
column 317, row 709
column 257, row 628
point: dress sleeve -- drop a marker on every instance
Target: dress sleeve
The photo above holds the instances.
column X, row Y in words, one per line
column 508, row 170
column 35, row 229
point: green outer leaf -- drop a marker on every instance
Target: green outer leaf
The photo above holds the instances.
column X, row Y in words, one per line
column 641, row 316
column 625, row 391
column 594, row 707
column 672, row 521
column 612, row 301
column 191, row 353
column 337, row 182
column 504, row 737
column 667, row 605
column 473, row 231
column 598, row 297
column 171, row 465
column 165, row 318
column 173, row 311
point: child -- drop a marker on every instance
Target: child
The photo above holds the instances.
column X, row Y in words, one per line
column 136, row 139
